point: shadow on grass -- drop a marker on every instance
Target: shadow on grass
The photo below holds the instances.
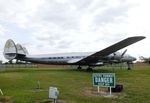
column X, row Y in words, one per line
column 53, row 69
column 95, row 70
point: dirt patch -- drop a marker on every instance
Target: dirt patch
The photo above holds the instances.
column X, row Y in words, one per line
column 39, row 90
column 89, row 91
column 5, row 99
column 50, row 101
column 62, row 101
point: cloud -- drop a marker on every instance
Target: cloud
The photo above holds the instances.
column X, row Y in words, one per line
column 70, row 25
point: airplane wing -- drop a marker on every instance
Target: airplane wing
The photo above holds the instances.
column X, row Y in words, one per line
column 109, row 50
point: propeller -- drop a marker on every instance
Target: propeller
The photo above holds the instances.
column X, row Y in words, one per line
column 122, row 57
column 129, row 64
column 123, row 53
column 113, row 60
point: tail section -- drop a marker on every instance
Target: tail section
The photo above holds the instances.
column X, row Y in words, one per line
column 20, row 50
column 10, row 50
column 13, row 51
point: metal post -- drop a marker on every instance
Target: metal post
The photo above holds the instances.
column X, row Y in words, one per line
column 53, row 100
column 1, row 92
column 38, row 85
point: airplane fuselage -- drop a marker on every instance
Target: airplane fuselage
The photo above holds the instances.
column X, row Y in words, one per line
column 66, row 58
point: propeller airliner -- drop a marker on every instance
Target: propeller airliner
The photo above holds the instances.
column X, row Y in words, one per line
column 90, row 59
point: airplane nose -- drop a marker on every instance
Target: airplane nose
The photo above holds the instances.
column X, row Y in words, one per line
column 133, row 58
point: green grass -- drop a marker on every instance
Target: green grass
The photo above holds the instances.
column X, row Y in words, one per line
column 18, row 84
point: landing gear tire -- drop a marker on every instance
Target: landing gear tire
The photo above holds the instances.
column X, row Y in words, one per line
column 79, row 68
column 89, row 69
column 129, row 68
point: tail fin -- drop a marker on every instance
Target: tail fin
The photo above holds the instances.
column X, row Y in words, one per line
column 13, row 51
column 21, row 50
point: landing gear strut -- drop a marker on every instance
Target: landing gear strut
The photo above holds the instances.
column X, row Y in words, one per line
column 129, row 65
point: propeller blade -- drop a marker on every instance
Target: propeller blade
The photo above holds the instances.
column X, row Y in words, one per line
column 123, row 53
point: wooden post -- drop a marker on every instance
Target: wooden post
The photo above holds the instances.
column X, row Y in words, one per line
column 98, row 89
column 110, row 90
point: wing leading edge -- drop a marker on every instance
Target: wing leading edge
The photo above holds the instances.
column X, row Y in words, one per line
column 109, row 50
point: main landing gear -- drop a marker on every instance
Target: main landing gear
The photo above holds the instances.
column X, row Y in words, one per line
column 89, row 68
column 79, row 67
column 129, row 64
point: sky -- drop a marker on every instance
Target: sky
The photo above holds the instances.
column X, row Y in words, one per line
column 55, row 26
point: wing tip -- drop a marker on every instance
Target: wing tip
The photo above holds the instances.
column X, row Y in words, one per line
column 140, row 37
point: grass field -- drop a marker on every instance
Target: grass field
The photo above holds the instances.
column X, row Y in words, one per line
column 18, row 85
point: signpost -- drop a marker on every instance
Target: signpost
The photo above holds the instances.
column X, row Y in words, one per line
column 104, row 80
